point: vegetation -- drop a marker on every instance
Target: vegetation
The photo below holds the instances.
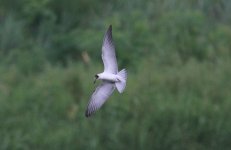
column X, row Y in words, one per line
column 178, row 55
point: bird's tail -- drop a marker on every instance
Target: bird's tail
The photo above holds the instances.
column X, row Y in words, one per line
column 123, row 79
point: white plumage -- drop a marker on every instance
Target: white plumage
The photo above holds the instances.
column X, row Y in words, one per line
column 111, row 78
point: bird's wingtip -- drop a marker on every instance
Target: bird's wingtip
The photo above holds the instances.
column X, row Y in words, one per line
column 87, row 114
column 110, row 27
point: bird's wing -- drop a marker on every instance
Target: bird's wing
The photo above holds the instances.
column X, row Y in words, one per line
column 108, row 53
column 100, row 95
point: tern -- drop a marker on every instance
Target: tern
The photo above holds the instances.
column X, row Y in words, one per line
column 110, row 77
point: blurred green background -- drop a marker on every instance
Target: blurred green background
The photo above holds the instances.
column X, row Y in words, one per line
column 178, row 56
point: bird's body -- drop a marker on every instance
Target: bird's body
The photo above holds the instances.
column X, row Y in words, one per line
column 110, row 77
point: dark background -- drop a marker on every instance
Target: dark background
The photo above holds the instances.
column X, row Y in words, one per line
column 177, row 54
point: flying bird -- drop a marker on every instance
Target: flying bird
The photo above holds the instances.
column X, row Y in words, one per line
column 110, row 77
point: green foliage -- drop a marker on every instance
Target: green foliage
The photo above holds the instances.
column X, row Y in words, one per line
column 45, row 102
column 178, row 58
column 11, row 34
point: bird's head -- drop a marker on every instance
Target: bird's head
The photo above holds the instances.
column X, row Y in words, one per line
column 96, row 77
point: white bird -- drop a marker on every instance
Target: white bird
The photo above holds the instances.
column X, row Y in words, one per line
column 110, row 77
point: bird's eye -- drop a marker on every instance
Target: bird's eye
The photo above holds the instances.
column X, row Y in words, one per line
column 96, row 76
